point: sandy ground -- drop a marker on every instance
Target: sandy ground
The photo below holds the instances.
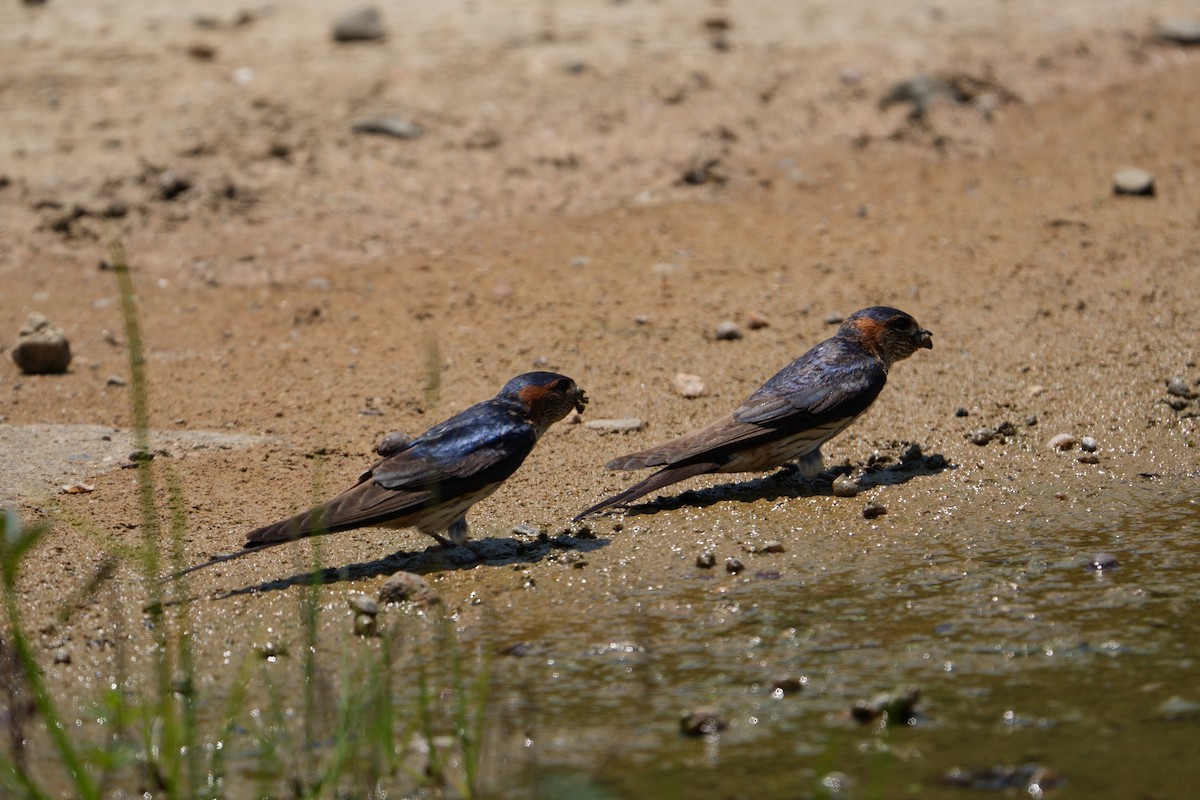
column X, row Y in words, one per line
column 314, row 288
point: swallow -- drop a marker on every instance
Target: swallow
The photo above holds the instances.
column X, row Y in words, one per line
column 787, row 420
column 430, row 482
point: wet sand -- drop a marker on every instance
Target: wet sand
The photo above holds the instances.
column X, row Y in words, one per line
column 347, row 286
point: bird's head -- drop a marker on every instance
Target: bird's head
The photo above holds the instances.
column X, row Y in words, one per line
column 888, row 332
column 547, row 396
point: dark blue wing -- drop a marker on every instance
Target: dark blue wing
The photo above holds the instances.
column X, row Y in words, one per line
column 485, row 443
column 835, row 379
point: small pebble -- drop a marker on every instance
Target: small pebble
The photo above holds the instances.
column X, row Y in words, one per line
column 689, row 386
column 42, row 347
column 272, row 650
column 727, row 331
column 626, row 425
column 833, row 318
column 392, row 443
column 526, row 529
column 1135, row 182
column 62, row 656
column 1088, row 458
column 757, row 321
column 769, row 546
column 359, row 25
column 845, row 486
column 1102, row 561
column 961, row 412
column 403, row 586
column 701, row 722
column 1178, row 387
column 873, row 511
column 1177, row 708
column 1088, row 444
column 706, row 560
column 1031, row 420
column 1180, row 31
column 1177, row 403
column 1063, row 441
column 982, row 436
column 363, row 604
column 114, row 380
column 364, row 625
column 785, row 686
column 733, row 566
column 396, row 126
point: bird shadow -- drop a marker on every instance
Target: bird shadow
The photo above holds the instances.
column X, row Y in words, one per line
column 492, row 551
column 788, row 483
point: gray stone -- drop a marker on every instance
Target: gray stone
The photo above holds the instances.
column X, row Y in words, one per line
column 627, row 425
column 42, row 347
column 1180, row 31
column 1133, row 182
column 406, row 586
column 397, row 126
column 359, row 25
column 728, row 331
column 363, row 604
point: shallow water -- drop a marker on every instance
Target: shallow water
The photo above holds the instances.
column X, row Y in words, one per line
column 1029, row 657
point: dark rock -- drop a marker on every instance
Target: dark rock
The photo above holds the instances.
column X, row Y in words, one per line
column 900, row 706
column 785, row 686
column 1031, row 779
column 845, row 486
column 1102, row 561
column 407, row 586
column 41, row 348
column 961, row 412
column 733, row 566
column 706, row 560
column 364, row 625
column 359, row 25
column 769, row 546
column 873, row 511
column 701, row 722
column 168, row 185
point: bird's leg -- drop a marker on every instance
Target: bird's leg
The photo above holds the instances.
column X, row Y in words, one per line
column 458, row 531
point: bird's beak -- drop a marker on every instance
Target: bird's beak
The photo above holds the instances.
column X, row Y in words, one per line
column 581, row 400
column 925, row 339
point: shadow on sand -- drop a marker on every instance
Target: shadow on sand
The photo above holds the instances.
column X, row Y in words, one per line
column 787, row 483
column 494, row 551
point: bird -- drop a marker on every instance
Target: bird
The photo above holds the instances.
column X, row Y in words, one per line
column 790, row 416
column 430, row 482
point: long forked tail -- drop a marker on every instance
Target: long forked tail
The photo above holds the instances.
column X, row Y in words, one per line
column 664, row 477
column 300, row 526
